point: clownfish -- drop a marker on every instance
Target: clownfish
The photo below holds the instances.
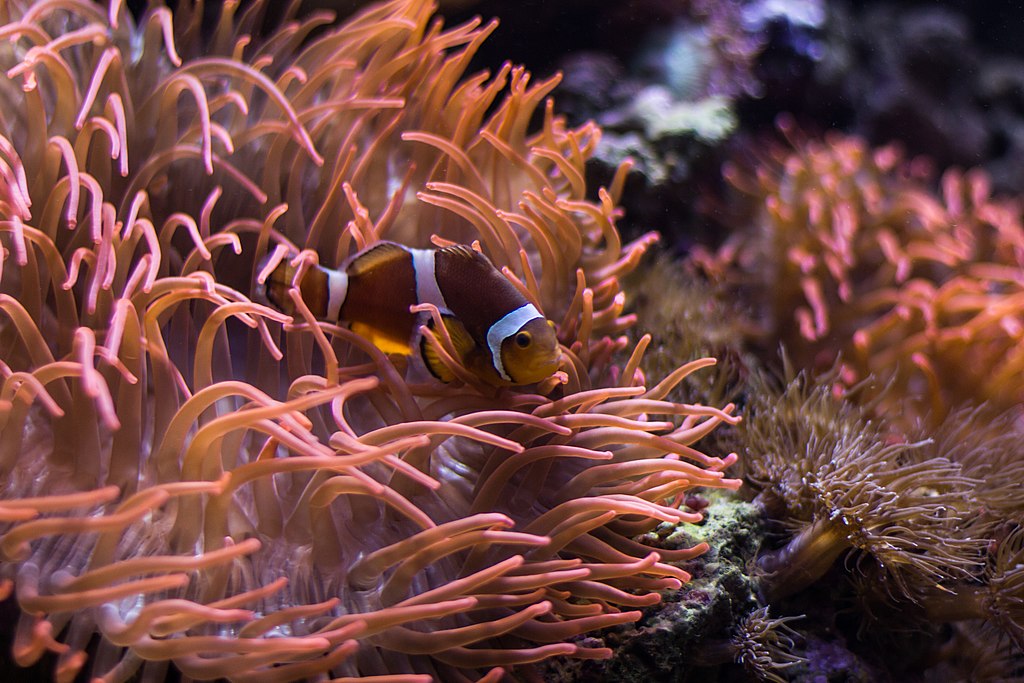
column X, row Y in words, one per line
column 500, row 336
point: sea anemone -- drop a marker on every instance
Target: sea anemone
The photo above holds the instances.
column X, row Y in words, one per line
column 203, row 482
column 686, row 318
column 917, row 543
column 853, row 256
column 765, row 645
column 988, row 450
column 843, row 485
column 762, row 645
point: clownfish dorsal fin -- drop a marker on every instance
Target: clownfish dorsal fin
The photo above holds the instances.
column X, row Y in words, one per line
column 464, row 251
column 461, row 340
column 375, row 256
column 381, row 341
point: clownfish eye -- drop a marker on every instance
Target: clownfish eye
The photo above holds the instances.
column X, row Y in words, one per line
column 523, row 339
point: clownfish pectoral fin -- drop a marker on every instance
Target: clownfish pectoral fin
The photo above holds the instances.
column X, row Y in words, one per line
column 461, row 340
column 382, row 342
column 460, row 337
column 376, row 256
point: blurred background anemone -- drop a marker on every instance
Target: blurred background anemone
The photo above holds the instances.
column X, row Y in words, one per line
column 193, row 481
column 848, row 254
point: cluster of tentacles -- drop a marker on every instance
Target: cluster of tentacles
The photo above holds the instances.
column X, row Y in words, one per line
column 208, row 484
column 852, row 254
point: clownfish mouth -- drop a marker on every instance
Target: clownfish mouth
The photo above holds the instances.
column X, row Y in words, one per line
column 541, row 369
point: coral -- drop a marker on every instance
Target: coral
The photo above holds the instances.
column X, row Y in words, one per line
column 193, row 479
column 685, row 318
column 710, row 119
column 733, row 36
column 766, row 645
column 842, row 485
column 987, row 449
column 851, row 256
column 897, row 551
column 824, row 214
column 976, row 652
column 960, row 307
column 998, row 597
column 678, row 637
column 663, row 79
column 940, row 78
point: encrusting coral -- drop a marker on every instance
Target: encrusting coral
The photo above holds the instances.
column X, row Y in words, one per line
column 206, row 483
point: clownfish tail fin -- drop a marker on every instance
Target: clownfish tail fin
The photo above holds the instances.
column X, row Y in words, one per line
column 275, row 289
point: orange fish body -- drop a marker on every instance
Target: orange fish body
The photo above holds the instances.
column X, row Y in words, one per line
column 500, row 336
